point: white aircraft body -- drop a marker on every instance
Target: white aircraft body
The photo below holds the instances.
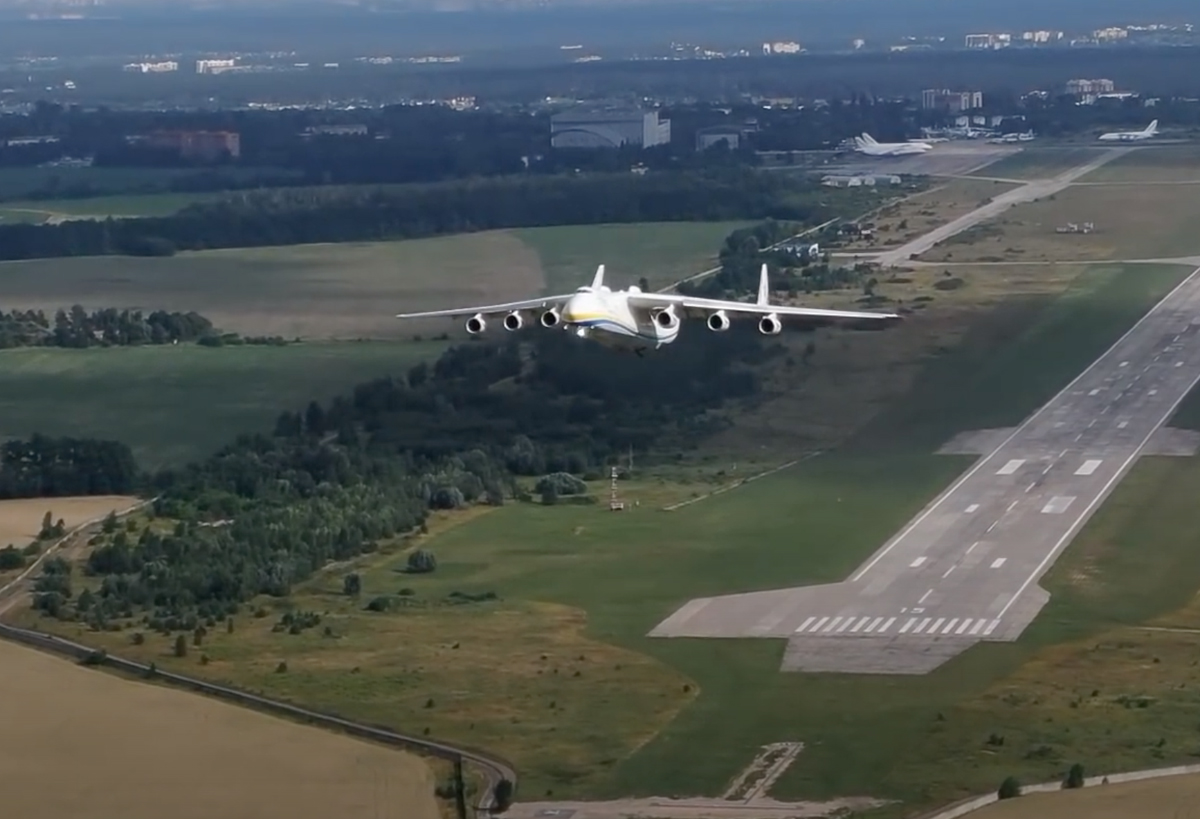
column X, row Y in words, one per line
column 866, row 144
column 1149, row 131
column 633, row 320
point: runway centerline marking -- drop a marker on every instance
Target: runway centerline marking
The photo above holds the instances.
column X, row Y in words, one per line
column 998, row 562
column 947, row 574
column 916, row 562
column 924, row 597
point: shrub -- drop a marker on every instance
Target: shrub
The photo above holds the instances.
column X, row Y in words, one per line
column 421, row 561
column 1009, row 788
column 1074, row 777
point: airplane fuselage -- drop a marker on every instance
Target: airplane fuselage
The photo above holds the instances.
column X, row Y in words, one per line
column 606, row 317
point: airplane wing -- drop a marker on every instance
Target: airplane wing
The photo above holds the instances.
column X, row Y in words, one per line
column 540, row 303
column 692, row 307
column 697, row 307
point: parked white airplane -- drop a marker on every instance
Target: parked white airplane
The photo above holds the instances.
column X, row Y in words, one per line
column 866, row 144
column 1132, row 136
column 637, row 321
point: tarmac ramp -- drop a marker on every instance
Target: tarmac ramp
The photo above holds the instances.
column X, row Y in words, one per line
column 965, row 570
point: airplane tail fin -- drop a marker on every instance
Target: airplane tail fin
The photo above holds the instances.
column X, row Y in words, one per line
column 867, row 138
column 764, row 287
column 598, row 279
column 1152, row 127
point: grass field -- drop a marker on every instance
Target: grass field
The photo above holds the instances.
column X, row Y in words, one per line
column 1132, row 222
column 921, row 213
column 173, row 404
column 1039, row 162
column 21, row 520
column 663, row 253
column 100, row 207
column 1155, row 163
column 590, row 584
column 1176, row 797
column 191, row 757
column 311, row 291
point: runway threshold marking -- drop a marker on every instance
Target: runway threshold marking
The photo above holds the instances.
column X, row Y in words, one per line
column 916, row 563
column 1025, row 425
column 1090, row 466
column 1096, row 499
column 1010, row 467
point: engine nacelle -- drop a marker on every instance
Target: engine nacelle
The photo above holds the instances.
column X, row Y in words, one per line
column 550, row 318
column 718, row 322
column 770, row 325
column 513, row 321
column 476, row 324
column 666, row 319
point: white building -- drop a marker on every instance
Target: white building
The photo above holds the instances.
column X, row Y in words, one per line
column 214, row 66
column 163, row 67
column 608, row 129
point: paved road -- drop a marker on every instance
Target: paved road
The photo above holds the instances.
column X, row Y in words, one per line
column 1032, row 191
column 966, row 568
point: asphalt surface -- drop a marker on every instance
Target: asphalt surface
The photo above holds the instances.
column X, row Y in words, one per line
column 1030, row 192
column 946, row 159
column 966, row 568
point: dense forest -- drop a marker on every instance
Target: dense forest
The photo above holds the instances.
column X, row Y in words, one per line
column 101, row 328
column 346, row 214
column 267, row 511
column 58, row 467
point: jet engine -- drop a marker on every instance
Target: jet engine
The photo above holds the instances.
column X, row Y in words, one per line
column 550, row 318
column 770, row 325
column 666, row 319
column 476, row 324
column 513, row 321
column 718, row 322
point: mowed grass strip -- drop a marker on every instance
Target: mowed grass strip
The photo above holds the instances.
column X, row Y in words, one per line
column 173, row 404
column 195, row 757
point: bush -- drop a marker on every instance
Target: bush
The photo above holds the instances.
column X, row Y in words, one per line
column 502, row 795
column 421, row 561
column 1074, row 777
column 11, row 558
column 1009, row 788
column 563, row 483
column 379, row 604
column 953, row 283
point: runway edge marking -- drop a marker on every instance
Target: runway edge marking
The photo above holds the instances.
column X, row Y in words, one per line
column 1027, row 422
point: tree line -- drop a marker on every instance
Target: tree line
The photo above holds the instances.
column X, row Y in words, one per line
column 108, row 327
column 335, row 479
column 43, row 467
column 345, row 214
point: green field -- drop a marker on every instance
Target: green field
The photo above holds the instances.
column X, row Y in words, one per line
column 1039, row 162
column 173, row 404
column 1152, row 163
column 101, row 207
column 921, row 740
column 663, row 253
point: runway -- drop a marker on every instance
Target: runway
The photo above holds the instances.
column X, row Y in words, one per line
column 966, row 568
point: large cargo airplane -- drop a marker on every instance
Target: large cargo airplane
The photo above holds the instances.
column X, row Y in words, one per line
column 1149, row 131
column 866, row 144
column 633, row 320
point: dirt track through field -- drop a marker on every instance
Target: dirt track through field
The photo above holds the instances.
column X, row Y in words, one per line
column 75, row 736
column 21, row 520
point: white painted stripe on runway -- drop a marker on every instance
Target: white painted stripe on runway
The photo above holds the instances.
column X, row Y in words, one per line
column 936, row 625
column 972, row 547
column 1010, row 467
column 1088, row 467
column 820, row 623
column 1122, row 425
column 911, row 621
column 991, row 627
column 1058, row 505
column 858, row 626
column 916, row 563
column 965, row 625
column 832, row 624
column 972, row 508
column 887, row 625
column 1124, row 363
column 1178, row 363
column 1094, row 392
column 1153, row 392
column 845, row 625
column 947, row 574
column 921, row 626
column 804, row 625
column 978, row 626
column 874, row 624
column 950, row 625
column 998, row 562
column 924, row 596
